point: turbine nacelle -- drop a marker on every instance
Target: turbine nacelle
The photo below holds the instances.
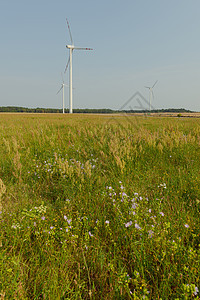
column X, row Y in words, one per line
column 70, row 46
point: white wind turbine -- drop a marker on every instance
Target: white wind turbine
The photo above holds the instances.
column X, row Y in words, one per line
column 151, row 94
column 63, row 93
column 71, row 48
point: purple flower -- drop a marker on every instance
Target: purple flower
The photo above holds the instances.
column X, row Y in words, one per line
column 134, row 205
column 43, row 218
column 128, row 224
column 107, row 222
column 162, row 214
column 68, row 221
column 186, row 225
column 150, row 210
column 150, row 233
column 90, row 233
column 137, row 226
column 51, row 227
column 196, row 291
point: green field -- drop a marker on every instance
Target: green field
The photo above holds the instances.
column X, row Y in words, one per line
column 99, row 207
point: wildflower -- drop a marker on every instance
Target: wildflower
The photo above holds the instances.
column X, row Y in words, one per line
column 196, row 291
column 107, row 222
column 150, row 210
column 15, row 226
column 186, row 225
column 90, row 233
column 128, row 224
column 129, row 278
column 162, row 185
column 51, row 227
column 150, row 233
column 134, row 205
column 162, row 214
column 43, row 218
column 137, row 226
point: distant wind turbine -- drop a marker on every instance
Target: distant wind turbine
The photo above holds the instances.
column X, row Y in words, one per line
column 151, row 94
column 71, row 48
column 63, row 93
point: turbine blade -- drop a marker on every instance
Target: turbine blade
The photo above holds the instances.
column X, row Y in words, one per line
column 59, row 90
column 80, row 48
column 70, row 32
column 154, row 84
column 152, row 93
column 66, row 66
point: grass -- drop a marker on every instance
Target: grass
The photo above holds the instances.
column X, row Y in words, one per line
column 99, row 207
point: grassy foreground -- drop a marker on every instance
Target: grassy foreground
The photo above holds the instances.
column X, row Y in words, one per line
column 99, row 207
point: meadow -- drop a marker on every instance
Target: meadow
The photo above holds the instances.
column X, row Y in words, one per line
column 99, row 207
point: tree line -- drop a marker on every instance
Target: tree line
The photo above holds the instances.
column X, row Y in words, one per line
column 16, row 109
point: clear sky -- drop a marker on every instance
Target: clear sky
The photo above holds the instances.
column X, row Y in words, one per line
column 136, row 42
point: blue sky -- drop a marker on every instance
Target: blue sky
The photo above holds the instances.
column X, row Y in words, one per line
column 135, row 43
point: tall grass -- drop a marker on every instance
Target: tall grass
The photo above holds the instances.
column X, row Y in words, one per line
column 99, row 207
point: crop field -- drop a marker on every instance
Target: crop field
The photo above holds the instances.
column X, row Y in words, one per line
column 99, row 207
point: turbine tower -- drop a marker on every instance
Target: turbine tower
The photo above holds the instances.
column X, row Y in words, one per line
column 63, row 93
column 151, row 94
column 71, row 48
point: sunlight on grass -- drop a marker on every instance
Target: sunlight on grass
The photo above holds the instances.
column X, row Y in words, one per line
column 94, row 207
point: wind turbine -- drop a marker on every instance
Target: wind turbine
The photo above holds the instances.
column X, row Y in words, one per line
column 71, row 48
column 63, row 93
column 151, row 94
